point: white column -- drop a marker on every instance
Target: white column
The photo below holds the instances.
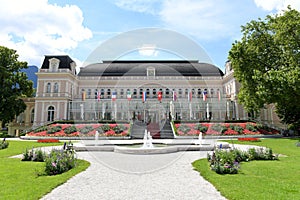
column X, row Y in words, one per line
column 207, row 110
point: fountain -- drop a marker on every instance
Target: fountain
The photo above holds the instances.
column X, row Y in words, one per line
column 96, row 137
column 200, row 139
column 147, row 140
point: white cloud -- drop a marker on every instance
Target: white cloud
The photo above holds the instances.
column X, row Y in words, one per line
column 204, row 19
column 148, row 50
column 277, row 5
column 142, row 6
column 36, row 28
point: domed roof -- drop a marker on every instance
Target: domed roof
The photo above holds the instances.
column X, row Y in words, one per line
column 162, row 68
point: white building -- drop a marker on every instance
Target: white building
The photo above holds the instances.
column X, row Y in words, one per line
column 115, row 90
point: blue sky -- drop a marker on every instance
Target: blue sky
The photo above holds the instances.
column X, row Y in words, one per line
column 75, row 27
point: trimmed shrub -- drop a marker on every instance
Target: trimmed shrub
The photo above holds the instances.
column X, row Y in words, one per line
column 251, row 127
column 40, row 129
column 105, row 127
column 184, row 128
column 4, row 144
column 219, row 128
column 119, row 129
column 54, row 129
column 238, row 129
column 86, row 129
column 201, row 128
column 100, row 130
column 70, row 129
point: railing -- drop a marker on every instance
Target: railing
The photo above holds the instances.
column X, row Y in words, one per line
column 57, row 94
column 149, row 78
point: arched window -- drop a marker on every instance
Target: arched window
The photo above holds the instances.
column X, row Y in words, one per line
column 186, row 92
column 154, row 91
column 141, row 93
column 55, row 87
column 108, row 91
column 89, row 93
column 50, row 117
column 32, row 116
column 167, row 92
column 48, row 88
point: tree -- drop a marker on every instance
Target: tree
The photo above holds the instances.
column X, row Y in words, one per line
column 266, row 61
column 14, row 85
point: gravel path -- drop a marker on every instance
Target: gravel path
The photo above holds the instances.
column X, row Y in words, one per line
column 122, row 176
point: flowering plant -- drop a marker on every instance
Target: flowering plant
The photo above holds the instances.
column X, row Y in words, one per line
column 248, row 128
column 86, row 130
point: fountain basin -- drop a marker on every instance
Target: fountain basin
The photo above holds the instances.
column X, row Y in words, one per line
column 149, row 151
column 143, row 151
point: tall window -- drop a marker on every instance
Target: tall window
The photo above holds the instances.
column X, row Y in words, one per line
column 50, row 117
column 48, row 88
column 154, row 91
column 32, row 116
column 55, row 87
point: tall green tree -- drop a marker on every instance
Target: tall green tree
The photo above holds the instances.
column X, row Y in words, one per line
column 14, row 85
column 266, row 61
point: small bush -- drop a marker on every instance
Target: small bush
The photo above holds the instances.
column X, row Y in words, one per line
column 40, row 129
column 262, row 154
column 60, row 161
column 184, row 128
column 238, row 129
column 251, row 127
column 86, row 129
column 54, row 129
column 100, row 130
column 34, row 155
column 4, row 134
column 70, row 129
column 4, row 144
column 219, row 128
column 223, row 162
column 201, row 128
column 227, row 162
column 38, row 156
column 105, row 127
column 119, row 129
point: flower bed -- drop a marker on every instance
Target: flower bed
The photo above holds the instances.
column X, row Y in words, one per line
column 48, row 140
column 81, row 130
column 249, row 139
column 247, row 128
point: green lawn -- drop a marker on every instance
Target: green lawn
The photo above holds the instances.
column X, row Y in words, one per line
column 19, row 179
column 260, row 179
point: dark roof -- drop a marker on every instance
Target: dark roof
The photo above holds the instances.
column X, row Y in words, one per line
column 64, row 63
column 162, row 68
